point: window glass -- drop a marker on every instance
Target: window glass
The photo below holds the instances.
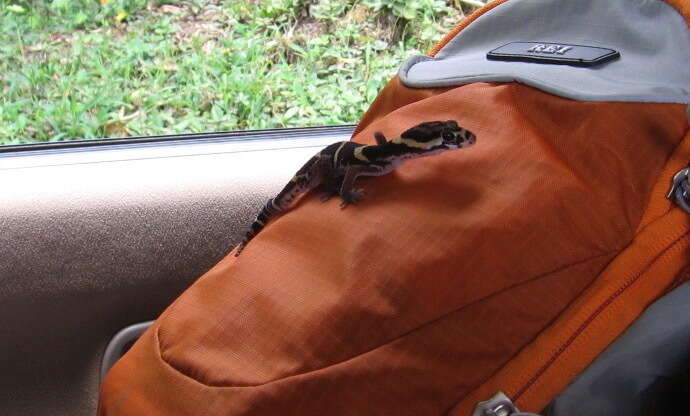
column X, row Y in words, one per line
column 75, row 69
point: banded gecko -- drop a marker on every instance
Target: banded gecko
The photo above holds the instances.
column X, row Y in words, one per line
column 336, row 168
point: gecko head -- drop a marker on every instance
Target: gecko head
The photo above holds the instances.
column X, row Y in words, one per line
column 435, row 136
column 456, row 137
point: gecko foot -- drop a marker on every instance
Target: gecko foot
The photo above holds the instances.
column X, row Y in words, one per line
column 353, row 197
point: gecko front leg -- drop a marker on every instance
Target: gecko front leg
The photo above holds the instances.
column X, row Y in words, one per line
column 347, row 192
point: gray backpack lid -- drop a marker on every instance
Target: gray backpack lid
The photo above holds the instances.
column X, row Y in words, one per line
column 652, row 38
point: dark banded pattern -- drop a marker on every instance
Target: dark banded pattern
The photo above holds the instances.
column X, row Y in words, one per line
column 269, row 210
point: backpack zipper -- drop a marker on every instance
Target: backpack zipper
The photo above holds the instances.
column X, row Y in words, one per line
column 498, row 405
column 680, row 190
column 680, row 195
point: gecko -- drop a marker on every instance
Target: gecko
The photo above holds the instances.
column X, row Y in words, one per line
column 337, row 166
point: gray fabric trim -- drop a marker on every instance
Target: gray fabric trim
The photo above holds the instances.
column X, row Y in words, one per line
column 652, row 37
column 657, row 344
column 116, row 347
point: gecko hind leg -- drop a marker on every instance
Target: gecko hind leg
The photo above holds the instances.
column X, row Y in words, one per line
column 330, row 188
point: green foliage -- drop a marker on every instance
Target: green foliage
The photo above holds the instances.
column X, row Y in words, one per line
column 72, row 69
column 330, row 10
column 410, row 9
column 67, row 15
column 279, row 9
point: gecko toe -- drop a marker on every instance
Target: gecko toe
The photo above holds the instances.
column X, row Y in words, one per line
column 353, row 197
column 357, row 195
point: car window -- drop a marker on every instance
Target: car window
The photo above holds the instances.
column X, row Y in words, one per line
column 76, row 69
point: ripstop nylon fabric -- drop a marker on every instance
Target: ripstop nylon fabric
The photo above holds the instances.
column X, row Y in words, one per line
column 409, row 301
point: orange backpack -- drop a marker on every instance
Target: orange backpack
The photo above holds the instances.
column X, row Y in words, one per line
column 506, row 267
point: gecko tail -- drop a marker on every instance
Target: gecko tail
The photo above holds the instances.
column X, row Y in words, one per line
column 248, row 237
column 242, row 244
column 256, row 226
column 269, row 210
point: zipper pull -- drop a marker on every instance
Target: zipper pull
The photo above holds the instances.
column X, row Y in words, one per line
column 680, row 190
column 498, row 405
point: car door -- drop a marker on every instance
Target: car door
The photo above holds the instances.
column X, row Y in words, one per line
column 97, row 236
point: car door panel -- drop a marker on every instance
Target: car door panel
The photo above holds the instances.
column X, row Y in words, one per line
column 94, row 239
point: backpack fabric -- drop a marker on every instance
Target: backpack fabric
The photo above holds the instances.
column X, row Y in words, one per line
column 508, row 266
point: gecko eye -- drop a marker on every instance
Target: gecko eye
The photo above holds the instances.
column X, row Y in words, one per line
column 448, row 136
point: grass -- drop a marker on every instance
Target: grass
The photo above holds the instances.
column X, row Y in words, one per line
column 73, row 69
